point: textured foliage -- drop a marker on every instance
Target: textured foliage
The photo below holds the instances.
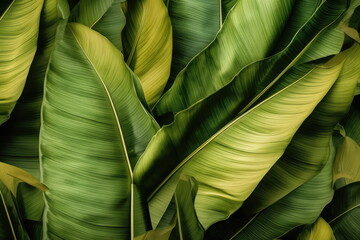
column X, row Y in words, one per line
column 179, row 119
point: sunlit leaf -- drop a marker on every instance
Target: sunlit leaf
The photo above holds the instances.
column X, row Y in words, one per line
column 243, row 39
column 309, row 149
column 230, row 163
column 19, row 27
column 148, row 45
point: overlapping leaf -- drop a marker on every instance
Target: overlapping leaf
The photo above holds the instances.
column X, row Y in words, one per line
column 309, row 149
column 243, row 39
column 105, row 17
column 148, row 45
column 302, row 206
column 343, row 213
column 229, row 164
column 94, row 129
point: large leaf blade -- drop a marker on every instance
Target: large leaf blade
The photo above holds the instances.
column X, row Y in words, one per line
column 309, row 149
column 302, row 206
column 206, row 162
column 93, row 143
column 19, row 26
column 237, row 44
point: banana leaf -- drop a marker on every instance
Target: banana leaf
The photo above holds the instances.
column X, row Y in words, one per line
column 301, row 206
column 239, row 43
column 94, row 129
column 148, row 45
column 187, row 223
column 192, row 84
column 309, row 149
column 229, row 163
column 19, row 142
column 195, row 24
column 105, row 17
column 19, row 27
column 329, row 42
column 343, row 213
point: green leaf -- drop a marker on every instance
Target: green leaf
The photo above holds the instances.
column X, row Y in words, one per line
column 309, row 149
column 148, row 45
column 343, row 213
column 256, row 78
column 230, row 163
column 11, row 225
column 19, row 142
column 30, row 201
column 195, row 24
column 318, row 230
column 88, row 149
column 105, row 17
column 19, row 27
column 188, row 225
column 301, row 206
column 11, row 177
column 351, row 121
column 329, row 42
column 227, row 5
column 347, row 162
column 248, row 34
column 158, row 234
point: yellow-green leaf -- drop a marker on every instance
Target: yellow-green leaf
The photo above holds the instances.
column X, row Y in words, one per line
column 19, row 27
column 148, row 45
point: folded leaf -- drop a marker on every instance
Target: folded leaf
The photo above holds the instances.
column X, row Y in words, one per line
column 188, row 226
column 230, row 163
column 19, row 27
column 148, row 45
column 94, row 129
column 11, row 177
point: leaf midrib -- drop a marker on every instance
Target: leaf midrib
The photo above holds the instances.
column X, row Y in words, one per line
column 138, row 34
column 198, row 149
column 242, row 112
column 132, row 230
column 8, row 215
column 111, row 104
column 7, row 10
